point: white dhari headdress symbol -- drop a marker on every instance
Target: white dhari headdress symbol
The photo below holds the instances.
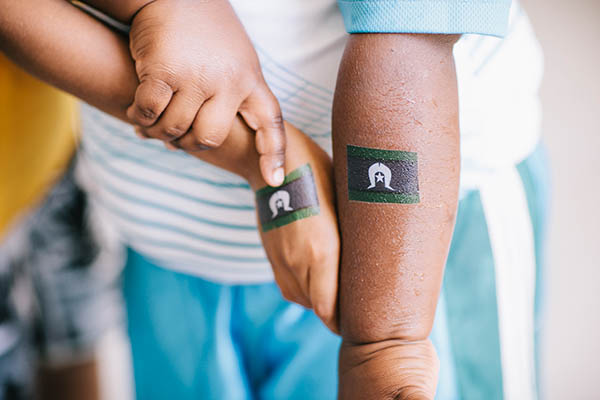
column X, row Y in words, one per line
column 378, row 172
column 280, row 199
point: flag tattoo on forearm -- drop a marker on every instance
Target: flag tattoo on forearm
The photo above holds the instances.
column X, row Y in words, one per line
column 295, row 199
column 382, row 176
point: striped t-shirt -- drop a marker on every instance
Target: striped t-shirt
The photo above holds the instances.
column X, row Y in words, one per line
column 189, row 216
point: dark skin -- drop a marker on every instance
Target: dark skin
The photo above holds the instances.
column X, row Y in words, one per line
column 394, row 92
column 104, row 76
column 193, row 84
column 393, row 255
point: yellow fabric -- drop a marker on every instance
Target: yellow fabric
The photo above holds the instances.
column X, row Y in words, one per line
column 37, row 139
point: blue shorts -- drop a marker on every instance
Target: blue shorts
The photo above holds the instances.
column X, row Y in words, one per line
column 194, row 339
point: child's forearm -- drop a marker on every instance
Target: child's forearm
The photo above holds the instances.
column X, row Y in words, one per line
column 70, row 49
column 394, row 253
column 394, row 92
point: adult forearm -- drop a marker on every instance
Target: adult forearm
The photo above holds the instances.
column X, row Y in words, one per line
column 396, row 92
column 69, row 49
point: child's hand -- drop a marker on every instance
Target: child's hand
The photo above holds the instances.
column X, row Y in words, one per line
column 197, row 69
column 304, row 254
column 388, row 370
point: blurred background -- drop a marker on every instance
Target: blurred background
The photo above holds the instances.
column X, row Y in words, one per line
column 569, row 32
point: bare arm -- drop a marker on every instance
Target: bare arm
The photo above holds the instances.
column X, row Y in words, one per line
column 395, row 92
column 81, row 56
column 69, row 49
column 197, row 71
column 64, row 46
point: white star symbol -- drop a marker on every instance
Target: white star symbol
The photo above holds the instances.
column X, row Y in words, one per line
column 379, row 177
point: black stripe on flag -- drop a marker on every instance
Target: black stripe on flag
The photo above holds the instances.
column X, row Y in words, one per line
column 382, row 176
column 295, row 199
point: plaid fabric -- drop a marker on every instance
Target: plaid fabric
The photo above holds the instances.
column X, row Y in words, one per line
column 58, row 290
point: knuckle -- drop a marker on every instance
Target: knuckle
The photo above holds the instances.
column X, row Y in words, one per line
column 273, row 110
column 276, row 120
column 153, row 92
column 160, row 85
column 278, row 150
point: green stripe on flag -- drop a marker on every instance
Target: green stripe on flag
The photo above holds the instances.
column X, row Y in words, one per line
column 380, row 197
column 380, row 155
column 295, row 216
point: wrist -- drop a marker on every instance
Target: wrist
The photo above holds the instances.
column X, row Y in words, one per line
column 368, row 332
column 388, row 370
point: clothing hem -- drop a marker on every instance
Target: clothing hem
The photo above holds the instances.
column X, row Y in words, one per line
column 426, row 16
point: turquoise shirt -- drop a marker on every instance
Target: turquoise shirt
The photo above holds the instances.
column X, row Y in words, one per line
column 486, row 17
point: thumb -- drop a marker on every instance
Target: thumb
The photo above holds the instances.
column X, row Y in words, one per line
column 262, row 113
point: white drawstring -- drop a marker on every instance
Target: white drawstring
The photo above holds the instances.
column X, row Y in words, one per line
column 511, row 237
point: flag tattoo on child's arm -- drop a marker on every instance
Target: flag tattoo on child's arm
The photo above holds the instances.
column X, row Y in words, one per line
column 295, row 199
column 382, row 176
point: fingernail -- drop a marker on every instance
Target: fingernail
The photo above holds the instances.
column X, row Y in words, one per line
column 278, row 176
column 201, row 147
